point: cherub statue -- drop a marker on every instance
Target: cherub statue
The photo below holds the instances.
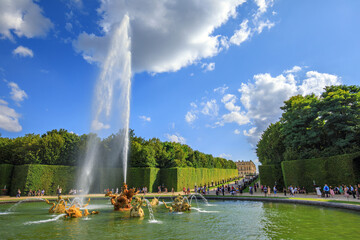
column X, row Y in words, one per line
column 136, row 210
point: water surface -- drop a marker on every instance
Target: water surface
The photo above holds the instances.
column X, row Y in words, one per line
column 219, row 220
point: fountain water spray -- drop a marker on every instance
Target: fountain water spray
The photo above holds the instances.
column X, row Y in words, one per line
column 13, row 207
column 151, row 212
column 115, row 74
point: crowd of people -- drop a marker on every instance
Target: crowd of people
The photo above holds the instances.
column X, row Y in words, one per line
column 345, row 190
column 34, row 193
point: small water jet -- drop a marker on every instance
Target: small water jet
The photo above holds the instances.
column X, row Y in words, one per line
column 46, row 220
column 180, row 204
column 191, row 196
column 13, row 207
column 151, row 213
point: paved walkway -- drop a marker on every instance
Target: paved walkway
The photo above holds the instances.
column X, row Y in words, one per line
column 310, row 196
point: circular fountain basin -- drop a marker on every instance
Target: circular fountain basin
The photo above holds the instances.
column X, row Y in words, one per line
column 217, row 220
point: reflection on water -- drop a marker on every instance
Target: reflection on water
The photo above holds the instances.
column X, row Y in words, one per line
column 220, row 220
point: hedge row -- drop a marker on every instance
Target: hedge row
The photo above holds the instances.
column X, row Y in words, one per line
column 47, row 177
column 178, row 178
column 6, row 171
column 271, row 174
column 336, row 170
column 112, row 178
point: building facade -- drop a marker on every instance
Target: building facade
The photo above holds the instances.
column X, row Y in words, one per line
column 246, row 168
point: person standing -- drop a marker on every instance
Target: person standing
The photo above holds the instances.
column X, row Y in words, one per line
column 275, row 190
column 352, row 189
column 265, row 190
column 269, row 190
column 18, row 193
column 326, row 190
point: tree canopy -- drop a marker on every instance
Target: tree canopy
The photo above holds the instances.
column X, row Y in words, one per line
column 312, row 127
column 60, row 147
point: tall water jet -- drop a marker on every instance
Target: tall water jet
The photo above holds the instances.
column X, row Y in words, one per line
column 115, row 75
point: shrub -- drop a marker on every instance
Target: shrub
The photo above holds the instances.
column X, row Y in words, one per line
column 270, row 174
column 47, row 177
column 333, row 171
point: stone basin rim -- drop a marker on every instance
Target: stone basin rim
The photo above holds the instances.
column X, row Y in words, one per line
column 255, row 199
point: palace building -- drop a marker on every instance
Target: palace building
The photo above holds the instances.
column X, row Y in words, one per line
column 246, row 168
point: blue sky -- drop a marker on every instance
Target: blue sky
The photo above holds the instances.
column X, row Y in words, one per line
column 211, row 74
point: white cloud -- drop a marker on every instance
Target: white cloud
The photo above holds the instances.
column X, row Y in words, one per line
column 263, row 98
column 97, row 125
column 221, row 90
column 242, row 34
column 22, row 18
column 229, row 100
column 23, row 52
column 68, row 27
column 247, row 29
column 210, row 108
column 17, row 94
column 226, row 156
column 316, row 82
column 76, row 3
column 176, row 138
column 208, row 67
column 193, row 105
column 172, row 41
column 263, row 6
column 190, row 117
column 267, row 24
column 9, row 118
column 237, row 131
column 251, row 132
column 293, row 70
column 239, row 118
column 144, row 118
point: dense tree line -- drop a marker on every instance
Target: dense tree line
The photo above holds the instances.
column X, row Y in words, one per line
column 60, row 147
column 312, row 127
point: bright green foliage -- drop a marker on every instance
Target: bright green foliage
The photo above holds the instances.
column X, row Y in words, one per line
column 271, row 174
column 301, row 127
column 59, row 147
column 6, row 171
column 35, row 177
column 178, row 178
column 313, row 127
column 112, row 178
column 336, row 170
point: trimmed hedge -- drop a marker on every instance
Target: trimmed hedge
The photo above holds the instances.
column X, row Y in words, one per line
column 6, row 171
column 269, row 174
column 336, row 170
column 178, row 178
column 112, row 178
column 47, row 177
